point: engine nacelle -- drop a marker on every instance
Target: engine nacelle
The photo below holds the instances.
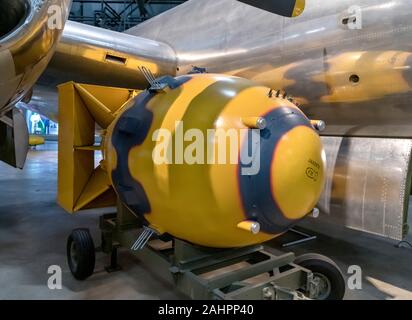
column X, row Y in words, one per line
column 29, row 32
column 215, row 160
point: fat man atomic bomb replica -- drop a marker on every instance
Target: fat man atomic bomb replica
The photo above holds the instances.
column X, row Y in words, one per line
column 162, row 157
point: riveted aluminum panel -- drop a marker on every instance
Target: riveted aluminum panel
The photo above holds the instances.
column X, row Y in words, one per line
column 368, row 184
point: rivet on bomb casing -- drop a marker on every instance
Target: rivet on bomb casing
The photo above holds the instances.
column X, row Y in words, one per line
column 255, row 122
column 318, row 125
column 251, row 226
column 315, row 213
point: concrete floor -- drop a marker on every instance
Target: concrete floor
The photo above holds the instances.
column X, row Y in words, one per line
column 33, row 233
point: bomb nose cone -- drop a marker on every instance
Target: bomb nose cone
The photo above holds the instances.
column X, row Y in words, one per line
column 290, row 179
column 297, row 172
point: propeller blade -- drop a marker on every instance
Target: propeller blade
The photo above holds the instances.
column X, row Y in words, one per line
column 286, row 8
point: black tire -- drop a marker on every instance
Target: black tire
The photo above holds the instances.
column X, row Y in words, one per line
column 81, row 255
column 323, row 266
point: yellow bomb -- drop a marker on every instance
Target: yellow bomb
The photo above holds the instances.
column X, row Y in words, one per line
column 215, row 160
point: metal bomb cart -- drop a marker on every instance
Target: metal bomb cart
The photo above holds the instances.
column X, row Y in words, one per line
column 224, row 260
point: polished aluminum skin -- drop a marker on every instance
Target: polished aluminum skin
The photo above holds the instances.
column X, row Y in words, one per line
column 357, row 80
column 27, row 46
column 368, row 184
column 104, row 57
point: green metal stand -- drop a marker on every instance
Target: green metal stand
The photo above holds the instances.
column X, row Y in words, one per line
column 249, row 273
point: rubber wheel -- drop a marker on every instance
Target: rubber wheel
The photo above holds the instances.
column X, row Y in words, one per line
column 328, row 272
column 81, row 255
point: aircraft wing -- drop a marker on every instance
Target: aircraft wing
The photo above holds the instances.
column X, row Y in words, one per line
column 95, row 55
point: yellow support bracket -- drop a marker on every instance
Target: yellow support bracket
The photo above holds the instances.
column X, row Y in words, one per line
column 82, row 109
